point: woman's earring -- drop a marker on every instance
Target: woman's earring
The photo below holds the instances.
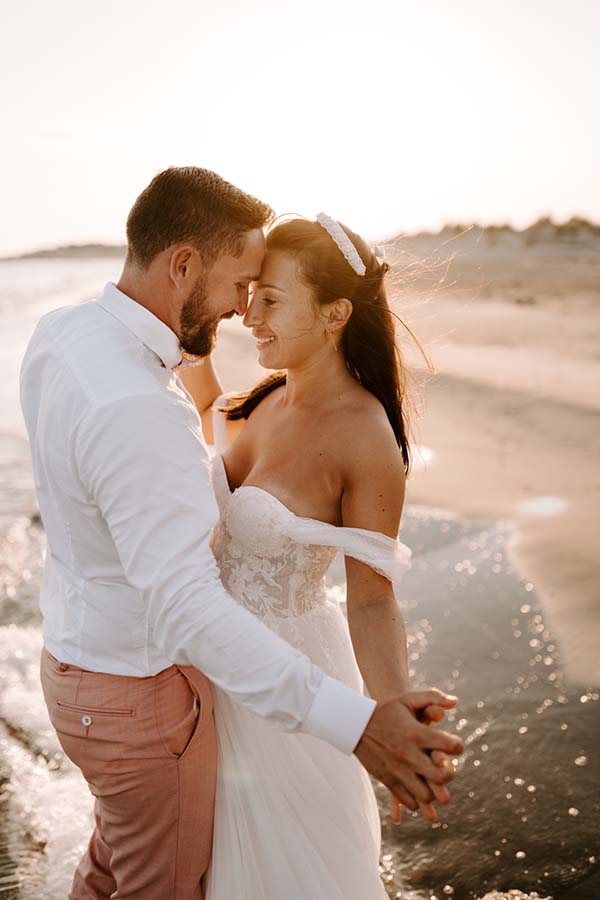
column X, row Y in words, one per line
column 332, row 339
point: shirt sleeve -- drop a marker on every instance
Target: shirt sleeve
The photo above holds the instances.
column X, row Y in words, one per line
column 144, row 461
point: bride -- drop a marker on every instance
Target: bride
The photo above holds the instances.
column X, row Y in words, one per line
column 311, row 461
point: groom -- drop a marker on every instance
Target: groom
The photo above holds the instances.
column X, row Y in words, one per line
column 135, row 619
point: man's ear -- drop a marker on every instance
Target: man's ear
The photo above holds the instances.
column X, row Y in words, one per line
column 179, row 265
column 337, row 314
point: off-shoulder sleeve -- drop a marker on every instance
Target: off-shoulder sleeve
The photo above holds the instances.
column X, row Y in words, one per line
column 387, row 556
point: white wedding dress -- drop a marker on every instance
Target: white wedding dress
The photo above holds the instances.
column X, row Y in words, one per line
column 295, row 818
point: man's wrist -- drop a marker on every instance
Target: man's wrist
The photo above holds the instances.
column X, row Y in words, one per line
column 338, row 715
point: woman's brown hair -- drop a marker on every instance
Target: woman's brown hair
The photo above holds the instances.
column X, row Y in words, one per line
column 368, row 340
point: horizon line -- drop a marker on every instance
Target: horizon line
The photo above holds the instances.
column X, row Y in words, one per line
column 572, row 222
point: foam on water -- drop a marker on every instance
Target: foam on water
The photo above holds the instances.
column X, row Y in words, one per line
column 49, row 803
column 51, row 816
column 541, row 506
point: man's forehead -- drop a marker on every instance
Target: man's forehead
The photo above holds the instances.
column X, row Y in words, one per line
column 247, row 266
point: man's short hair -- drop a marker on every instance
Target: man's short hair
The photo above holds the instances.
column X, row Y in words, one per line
column 189, row 204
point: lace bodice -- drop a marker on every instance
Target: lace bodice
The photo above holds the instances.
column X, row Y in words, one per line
column 274, row 562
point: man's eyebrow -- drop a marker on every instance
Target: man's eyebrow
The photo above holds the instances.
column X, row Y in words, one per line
column 271, row 287
column 251, row 277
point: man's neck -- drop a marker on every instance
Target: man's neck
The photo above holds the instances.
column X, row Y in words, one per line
column 138, row 287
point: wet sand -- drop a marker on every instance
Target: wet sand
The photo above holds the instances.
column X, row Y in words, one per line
column 501, row 452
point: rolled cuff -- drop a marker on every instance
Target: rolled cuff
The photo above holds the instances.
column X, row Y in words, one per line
column 338, row 715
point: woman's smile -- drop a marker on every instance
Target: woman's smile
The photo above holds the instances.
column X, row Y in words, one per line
column 263, row 340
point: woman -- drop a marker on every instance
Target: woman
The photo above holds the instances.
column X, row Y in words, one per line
column 312, row 460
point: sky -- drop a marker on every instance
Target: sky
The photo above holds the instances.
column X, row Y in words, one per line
column 389, row 115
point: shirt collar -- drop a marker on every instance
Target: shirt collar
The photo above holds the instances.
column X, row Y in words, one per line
column 157, row 336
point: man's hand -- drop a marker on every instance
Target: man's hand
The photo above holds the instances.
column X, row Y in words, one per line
column 395, row 748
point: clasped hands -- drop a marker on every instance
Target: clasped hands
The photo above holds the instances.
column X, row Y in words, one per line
column 400, row 749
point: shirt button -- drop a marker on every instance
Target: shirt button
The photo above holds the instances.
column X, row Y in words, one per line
column 86, row 720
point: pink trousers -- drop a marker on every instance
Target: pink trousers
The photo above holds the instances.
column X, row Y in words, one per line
column 147, row 749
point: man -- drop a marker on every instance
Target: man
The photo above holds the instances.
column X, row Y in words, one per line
column 135, row 618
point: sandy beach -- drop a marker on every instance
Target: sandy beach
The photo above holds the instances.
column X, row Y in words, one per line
column 513, row 415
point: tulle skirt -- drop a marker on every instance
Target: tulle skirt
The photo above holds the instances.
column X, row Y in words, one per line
column 295, row 819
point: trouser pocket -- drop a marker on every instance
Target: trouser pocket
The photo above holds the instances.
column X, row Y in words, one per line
column 177, row 711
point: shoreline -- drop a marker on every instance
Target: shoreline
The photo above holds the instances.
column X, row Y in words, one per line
column 524, row 465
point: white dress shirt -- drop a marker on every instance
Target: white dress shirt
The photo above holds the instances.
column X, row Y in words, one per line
column 123, row 481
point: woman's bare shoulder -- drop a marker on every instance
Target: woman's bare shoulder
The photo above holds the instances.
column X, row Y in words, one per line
column 365, row 439
column 360, row 416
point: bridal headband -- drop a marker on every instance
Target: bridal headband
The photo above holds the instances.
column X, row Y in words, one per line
column 339, row 237
column 343, row 242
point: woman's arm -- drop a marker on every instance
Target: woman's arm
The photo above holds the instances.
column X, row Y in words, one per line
column 204, row 385
column 373, row 497
column 377, row 631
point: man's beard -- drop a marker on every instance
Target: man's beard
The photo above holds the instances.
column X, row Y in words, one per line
column 198, row 324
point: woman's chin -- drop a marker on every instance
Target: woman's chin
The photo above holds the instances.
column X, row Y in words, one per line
column 266, row 357
column 266, row 363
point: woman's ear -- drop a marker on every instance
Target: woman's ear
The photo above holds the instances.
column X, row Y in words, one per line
column 337, row 314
